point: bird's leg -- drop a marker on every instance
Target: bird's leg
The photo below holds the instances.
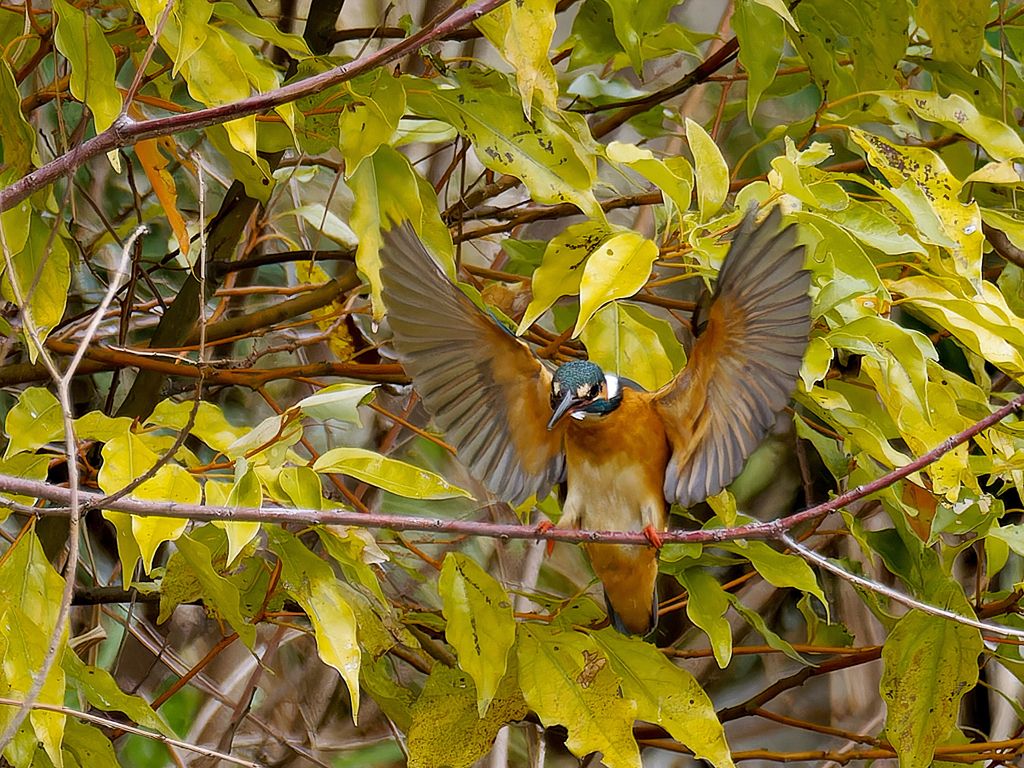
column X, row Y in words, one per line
column 653, row 536
column 544, row 527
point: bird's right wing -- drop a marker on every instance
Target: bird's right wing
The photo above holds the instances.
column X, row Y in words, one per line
column 484, row 387
column 744, row 365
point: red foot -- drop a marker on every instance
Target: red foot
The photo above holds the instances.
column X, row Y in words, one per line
column 653, row 536
column 545, row 526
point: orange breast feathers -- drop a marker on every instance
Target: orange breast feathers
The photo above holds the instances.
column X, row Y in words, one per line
column 616, row 472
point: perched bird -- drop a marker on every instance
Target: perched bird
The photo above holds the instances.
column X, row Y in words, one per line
column 625, row 454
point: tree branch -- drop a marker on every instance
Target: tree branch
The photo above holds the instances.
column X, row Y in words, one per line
column 127, row 132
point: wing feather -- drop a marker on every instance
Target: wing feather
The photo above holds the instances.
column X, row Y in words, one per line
column 744, row 365
column 485, row 389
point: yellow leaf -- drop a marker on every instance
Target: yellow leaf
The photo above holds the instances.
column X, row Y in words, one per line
column 481, row 627
column 522, row 33
column 712, row 172
column 561, row 269
column 617, row 269
column 920, row 178
column 566, row 680
column 313, row 585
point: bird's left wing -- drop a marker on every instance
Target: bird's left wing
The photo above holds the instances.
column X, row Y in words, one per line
column 744, row 365
column 485, row 388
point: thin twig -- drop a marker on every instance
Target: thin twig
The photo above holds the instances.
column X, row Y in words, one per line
column 115, row 725
column 63, row 387
column 126, row 132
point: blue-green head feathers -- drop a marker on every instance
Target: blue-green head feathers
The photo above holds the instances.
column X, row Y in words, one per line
column 580, row 388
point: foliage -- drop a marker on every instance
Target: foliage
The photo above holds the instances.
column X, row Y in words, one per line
column 265, row 157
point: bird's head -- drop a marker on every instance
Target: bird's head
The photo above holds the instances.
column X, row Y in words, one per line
column 580, row 389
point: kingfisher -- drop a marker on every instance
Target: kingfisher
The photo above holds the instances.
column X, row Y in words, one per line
column 620, row 454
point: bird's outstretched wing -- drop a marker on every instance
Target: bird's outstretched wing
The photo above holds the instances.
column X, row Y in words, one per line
column 485, row 388
column 744, row 365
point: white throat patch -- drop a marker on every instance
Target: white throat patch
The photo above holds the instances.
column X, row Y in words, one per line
column 612, row 383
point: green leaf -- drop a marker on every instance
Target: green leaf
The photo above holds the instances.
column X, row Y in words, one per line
column 956, row 29
column 189, row 26
column 96, row 425
column 754, row 619
column 215, row 77
column 127, row 547
column 877, row 34
column 1011, row 535
column 666, row 695
column 395, row 700
column 79, row 37
column 316, row 129
column 815, row 40
column 480, row 627
column 339, row 402
column 874, row 228
column 302, row 487
column 616, row 269
column 34, row 421
column 780, row 570
column 567, row 681
column 706, row 608
column 45, row 261
column 903, row 352
column 712, row 172
column 271, row 440
column 125, row 458
column 673, row 175
column 88, row 746
column 219, row 594
column 623, row 339
column 378, row 103
column 387, row 473
column 29, row 466
column 20, row 153
column 355, row 550
column 27, row 580
column 246, row 493
column 634, row 22
column 930, row 663
column 762, row 36
column 25, row 648
column 593, row 39
column 446, row 730
column 310, row 581
column 389, row 189
column 554, row 164
column 261, row 28
column 211, row 426
column 780, row 9
column 830, row 450
column 30, row 595
column 326, row 223
column 102, row 692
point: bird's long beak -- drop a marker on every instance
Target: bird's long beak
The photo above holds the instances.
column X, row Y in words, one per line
column 564, row 407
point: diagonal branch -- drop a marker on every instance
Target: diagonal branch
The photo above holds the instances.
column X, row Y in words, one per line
column 776, row 530
column 126, row 132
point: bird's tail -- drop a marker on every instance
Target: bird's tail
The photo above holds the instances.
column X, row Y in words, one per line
column 629, row 574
